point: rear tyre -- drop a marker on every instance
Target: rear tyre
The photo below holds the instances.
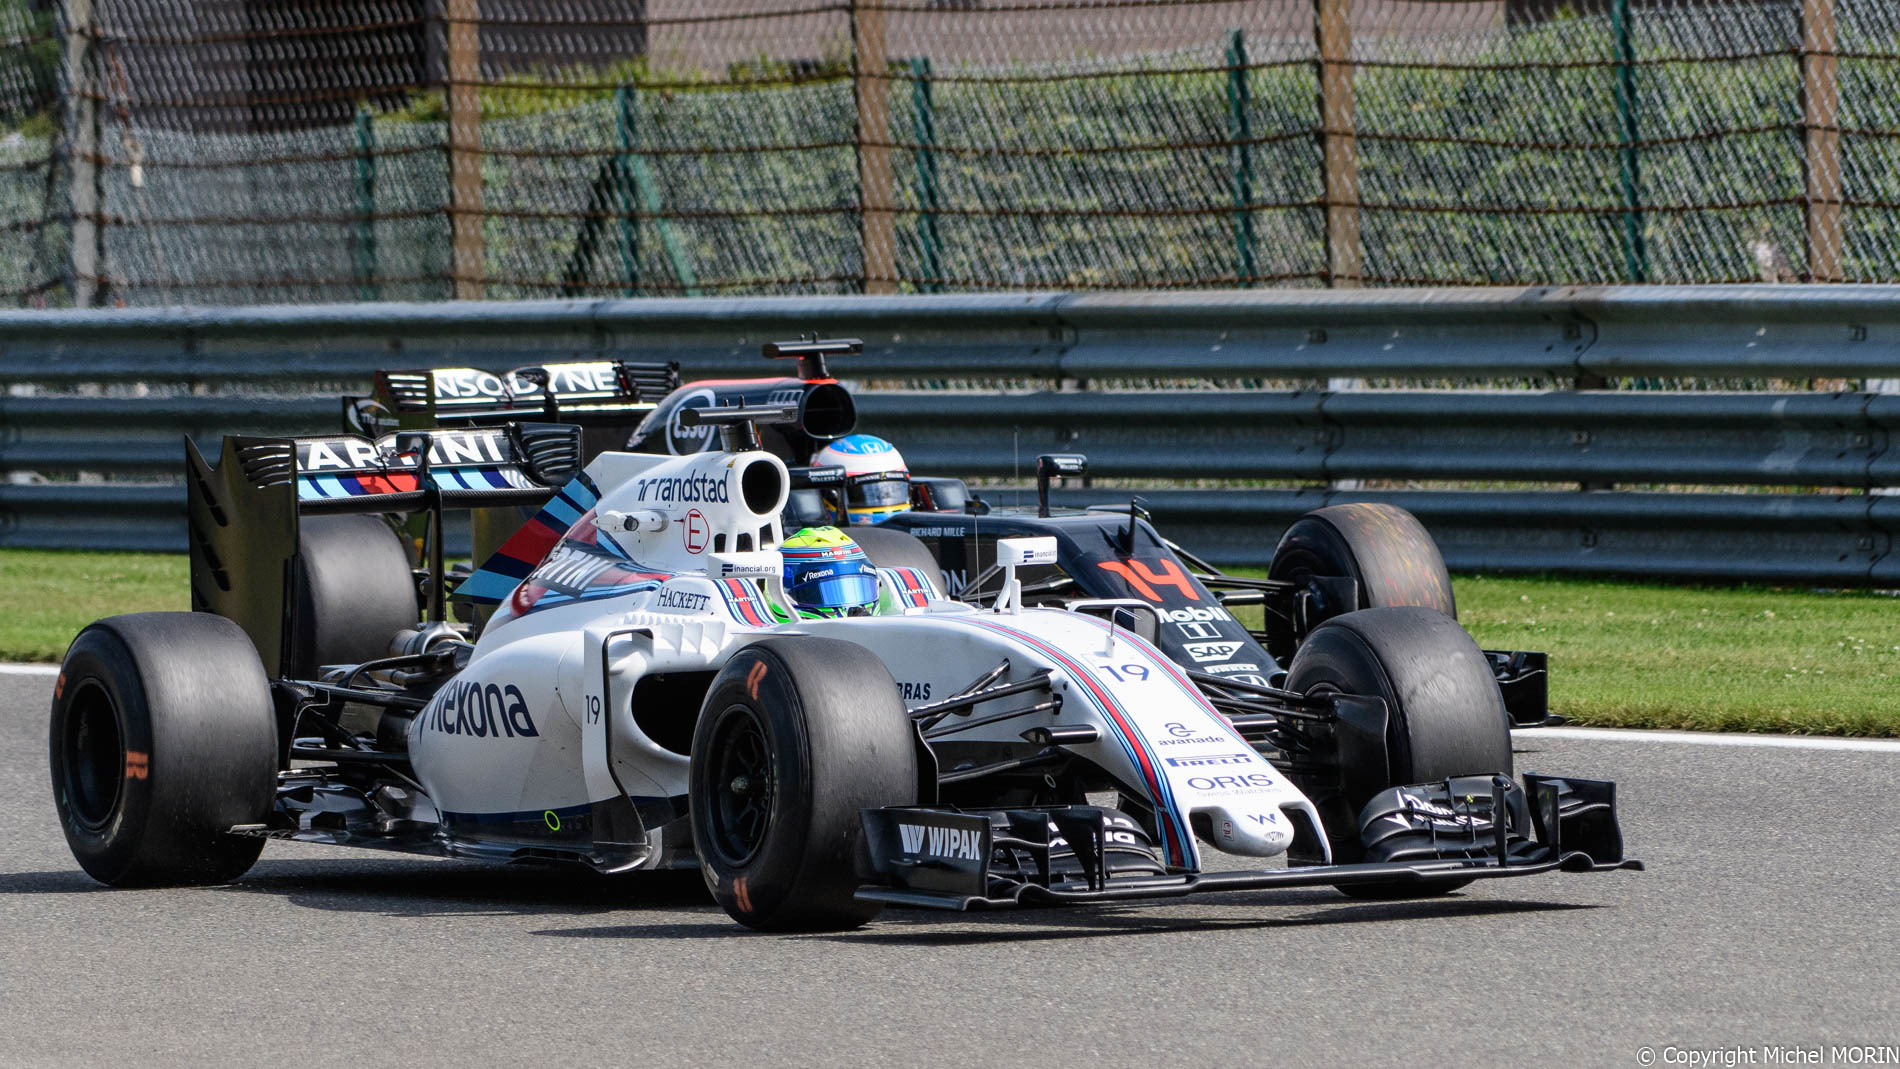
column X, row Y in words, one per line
column 1381, row 547
column 795, row 737
column 162, row 739
column 891, row 548
column 1446, row 716
column 356, row 591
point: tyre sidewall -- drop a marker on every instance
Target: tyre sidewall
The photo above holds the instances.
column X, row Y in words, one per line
column 108, row 850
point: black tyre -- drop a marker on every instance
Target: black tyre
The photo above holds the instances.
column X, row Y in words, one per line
column 1382, row 547
column 355, row 591
column 1445, row 714
column 891, row 548
column 162, row 739
column 796, row 736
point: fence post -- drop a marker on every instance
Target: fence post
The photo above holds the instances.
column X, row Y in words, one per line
column 1635, row 256
column 1345, row 256
column 465, row 149
column 870, row 71
column 367, row 288
column 1820, row 121
column 1240, row 132
column 924, row 120
column 86, row 191
column 624, row 128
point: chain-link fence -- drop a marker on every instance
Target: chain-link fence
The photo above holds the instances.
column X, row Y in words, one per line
column 234, row 151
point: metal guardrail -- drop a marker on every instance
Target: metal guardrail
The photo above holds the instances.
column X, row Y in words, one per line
column 278, row 370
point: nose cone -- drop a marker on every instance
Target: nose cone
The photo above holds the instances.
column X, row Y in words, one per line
column 1244, row 830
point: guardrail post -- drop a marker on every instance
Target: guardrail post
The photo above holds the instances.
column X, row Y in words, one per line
column 1820, row 122
column 1635, row 256
column 1240, row 132
column 877, row 224
column 468, row 255
column 86, row 193
column 1345, row 256
column 924, row 120
column 624, row 129
column 367, row 288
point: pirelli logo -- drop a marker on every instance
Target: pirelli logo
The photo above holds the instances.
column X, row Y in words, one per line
column 1215, row 759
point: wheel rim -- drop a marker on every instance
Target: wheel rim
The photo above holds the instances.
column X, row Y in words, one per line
column 743, row 785
column 94, row 758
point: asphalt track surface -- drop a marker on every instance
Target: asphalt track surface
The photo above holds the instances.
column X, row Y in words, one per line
column 1770, row 916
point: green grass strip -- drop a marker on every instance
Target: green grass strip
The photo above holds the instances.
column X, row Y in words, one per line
column 1622, row 654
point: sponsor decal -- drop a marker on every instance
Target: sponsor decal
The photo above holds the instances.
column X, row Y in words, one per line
column 1223, row 669
column 464, row 383
column 1211, row 651
column 915, row 692
column 1250, row 781
column 1197, row 613
column 1212, row 759
column 448, row 449
column 924, row 839
column 682, row 600
column 484, row 710
column 935, row 532
column 1184, row 735
column 681, row 440
column 684, row 490
column 695, row 531
column 1198, row 629
column 1442, row 816
column 552, row 820
column 1264, row 819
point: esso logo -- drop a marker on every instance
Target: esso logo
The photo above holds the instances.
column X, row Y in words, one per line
column 681, row 440
column 695, row 531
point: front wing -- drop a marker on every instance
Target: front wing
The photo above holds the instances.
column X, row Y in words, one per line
column 1467, row 828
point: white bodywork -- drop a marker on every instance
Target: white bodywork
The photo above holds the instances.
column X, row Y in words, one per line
column 674, row 569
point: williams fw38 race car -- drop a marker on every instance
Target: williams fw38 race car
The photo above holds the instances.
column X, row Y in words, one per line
column 671, row 679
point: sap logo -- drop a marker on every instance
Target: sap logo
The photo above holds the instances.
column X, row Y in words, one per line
column 485, row 711
column 1211, row 651
column 1216, row 759
column 1188, row 616
column 1231, row 783
column 965, row 843
column 915, row 692
column 668, row 490
column 681, row 600
column 1221, row 669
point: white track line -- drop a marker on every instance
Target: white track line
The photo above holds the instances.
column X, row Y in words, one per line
column 1700, row 738
column 29, row 670
column 1692, row 738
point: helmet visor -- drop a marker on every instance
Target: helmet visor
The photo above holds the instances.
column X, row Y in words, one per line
column 880, row 493
column 836, row 591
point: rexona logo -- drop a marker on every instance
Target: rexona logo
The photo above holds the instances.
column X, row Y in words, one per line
column 941, row 842
column 1215, row 759
column 486, row 711
column 684, row 489
column 1184, row 616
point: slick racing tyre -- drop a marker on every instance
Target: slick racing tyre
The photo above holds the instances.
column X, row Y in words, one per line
column 1445, row 715
column 162, row 739
column 1383, row 548
column 796, row 736
column 355, row 591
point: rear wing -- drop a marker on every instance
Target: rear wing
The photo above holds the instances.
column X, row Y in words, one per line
column 611, row 392
column 243, row 514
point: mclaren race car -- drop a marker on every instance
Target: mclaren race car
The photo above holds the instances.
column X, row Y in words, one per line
column 649, row 693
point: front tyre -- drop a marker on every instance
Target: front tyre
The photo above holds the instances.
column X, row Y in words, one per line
column 1382, row 548
column 796, row 736
column 1445, row 715
column 162, row 739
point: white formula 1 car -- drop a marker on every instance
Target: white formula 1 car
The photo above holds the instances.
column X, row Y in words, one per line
column 646, row 696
